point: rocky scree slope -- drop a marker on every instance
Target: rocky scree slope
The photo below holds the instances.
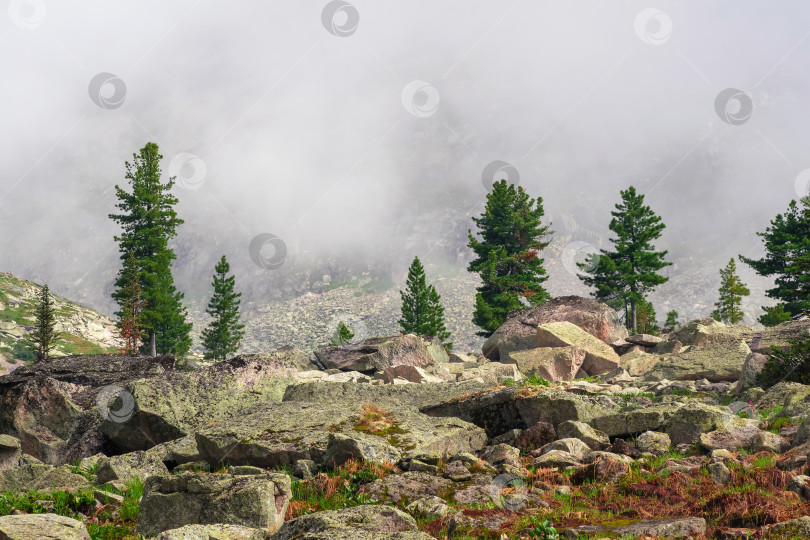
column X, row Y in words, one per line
column 392, row 438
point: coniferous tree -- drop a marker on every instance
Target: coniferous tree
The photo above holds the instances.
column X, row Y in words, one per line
column 224, row 332
column 672, row 321
column 44, row 334
column 507, row 255
column 342, row 335
column 130, row 321
column 787, row 257
column 148, row 221
column 774, row 315
column 647, row 319
column 422, row 312
column 731, row 291
column 624, row 276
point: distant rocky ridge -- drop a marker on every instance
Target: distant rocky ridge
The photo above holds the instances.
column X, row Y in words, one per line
column 81, row 329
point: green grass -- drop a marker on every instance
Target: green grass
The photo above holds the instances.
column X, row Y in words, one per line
column 534, row 380
column 765, row 462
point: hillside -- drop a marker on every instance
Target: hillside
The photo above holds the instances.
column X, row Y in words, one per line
column 81, row 330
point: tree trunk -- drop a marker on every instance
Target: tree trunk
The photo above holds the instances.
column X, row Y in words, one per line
column 633, row 309
column 152, row 344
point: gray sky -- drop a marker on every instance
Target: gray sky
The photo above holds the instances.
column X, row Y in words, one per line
column 337, row 143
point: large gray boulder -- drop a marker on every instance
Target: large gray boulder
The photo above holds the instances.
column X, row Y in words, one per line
column 377, row 354
column 752, row 367
column 127, row 467
column 39, row 526
column 519, row 331
column 367, row 522
column 281, row 434
column 10, row 452
column 551, row 363
column 256, row 501
column 719, row 358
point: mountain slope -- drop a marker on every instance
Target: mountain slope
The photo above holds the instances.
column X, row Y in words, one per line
column 81, row 330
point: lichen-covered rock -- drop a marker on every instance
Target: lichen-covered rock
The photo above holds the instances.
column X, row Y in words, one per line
column 171, row 502
column 377, row 354
column 10, row 453
column 638, row 363
column 535, row 437
column 632, row 421
column 720, row 359
column 645, row 340
column 366, row 522
column 38, row 476
column 595, row 439
column 217, row 531
column 751, row 368
column 341, row 448
column 42, row 526
column 557, row 459
column 127, row 467
column 599, row 356
column 795, row 528
column 719, row 473
column 407, row 486
column 550, row 363
column 653, row 442
column 734, row 439
column 690, row 421
column 685, row 527
column 280, row 434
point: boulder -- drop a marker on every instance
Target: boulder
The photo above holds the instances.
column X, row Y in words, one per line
column 376, row 354
column 668, row 346
column 409, row 373
column 218, row 531
column 38, row 526
column 10, row 453
column 518, row 332
column 700, row 332
column 653, row 442
column 751, row 368
column 777, row 336
column 593, row 438
column 341, row 448
column 599, row 356
column 536, row 436
column 682, row 527
column 255, row 501
column 603, row 469
column 692, row 420
column 127, row 467
column 628, row 422
column 795, row 528
column 550, row 363
column 366, row 522
column 719, row 473
column 408, row 486
column 718, row 360
column 280, row 434
column 638, row 363
column 175, row 405
column 571, row 446
column 34, row 475
column 645, row 340
column 557, row 459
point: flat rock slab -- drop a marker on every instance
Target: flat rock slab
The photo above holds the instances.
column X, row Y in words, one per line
column 42, row 527
column 368, row 522
column 551, row 363
column 212, row 532
column 719, row 360
column 669, row 528
column 256, row 501
column 283, row 433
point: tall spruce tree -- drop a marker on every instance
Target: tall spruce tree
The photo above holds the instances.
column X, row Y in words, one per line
column 507, row 255
column 148, row 221
column 624, row 276
column 422, row 312
column 787, row 258
column 224, row 332
column 44, row 334
column 732, row 289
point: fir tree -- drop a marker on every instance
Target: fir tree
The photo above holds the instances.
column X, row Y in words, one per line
column 774, row 315
column 672, row 321
column 148, row 221
column 342, row 335
column 731, row 291
column 44, row 334
column 624, row 276
column 130, row 322
column 422, row 312
column 224, row 332
column 511, row 238
column 787, row 258
column 647, row 319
